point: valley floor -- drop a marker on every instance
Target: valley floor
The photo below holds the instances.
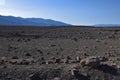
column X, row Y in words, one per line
column 34, row 53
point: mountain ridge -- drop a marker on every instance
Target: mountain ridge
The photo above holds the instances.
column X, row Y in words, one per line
column 12, row 20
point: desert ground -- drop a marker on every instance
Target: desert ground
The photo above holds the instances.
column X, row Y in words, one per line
column 59, row 53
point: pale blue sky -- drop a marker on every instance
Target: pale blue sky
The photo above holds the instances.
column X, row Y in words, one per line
column 79, row 12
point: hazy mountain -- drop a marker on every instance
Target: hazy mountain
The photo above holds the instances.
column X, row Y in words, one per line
column 107, row 25
column 11, row 20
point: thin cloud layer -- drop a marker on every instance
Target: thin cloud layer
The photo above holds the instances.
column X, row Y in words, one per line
column 2, row 2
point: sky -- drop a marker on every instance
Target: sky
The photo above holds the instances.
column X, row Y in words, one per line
column 77, row 12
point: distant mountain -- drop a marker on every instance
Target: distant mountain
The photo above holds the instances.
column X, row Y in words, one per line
column 107, row 25
column 11, row 20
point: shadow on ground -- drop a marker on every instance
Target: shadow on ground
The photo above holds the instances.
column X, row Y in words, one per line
column 82, row 77
column 108, row 69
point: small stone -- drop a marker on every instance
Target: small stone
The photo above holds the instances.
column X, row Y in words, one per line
column 56, row 78
column 77, row 59
column 28, row 54
column 58, row 61
column 42, row 58
column 68, row 57
column 43, row 62
column 13, row 61
column 15, row 57
column 118, row 67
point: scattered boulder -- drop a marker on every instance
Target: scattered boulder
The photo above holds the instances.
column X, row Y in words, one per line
column 43, row 62
column 53, row 58
column 118, row 67
column 113, row 65
column 18, row 40
column 78, row 75
column 56, row 78
column 103, row 58
column 97, row 40
column 66, row 61
column 50, row 62
column 35, row 76
column 74, row 72
column 93, row 62
column 3, row 60
column 85, row 54
column 13, row 61
column 72, row 61
column 53, row 45
column 99, row 32
column 38, row 50
column 118, row 59
column 75, row 39
column 22, row 61
column 30, row 60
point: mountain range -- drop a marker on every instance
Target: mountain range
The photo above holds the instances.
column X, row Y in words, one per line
column 19, row 21
column 107, row 25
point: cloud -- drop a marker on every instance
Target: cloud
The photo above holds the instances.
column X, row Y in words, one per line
column 2, row 2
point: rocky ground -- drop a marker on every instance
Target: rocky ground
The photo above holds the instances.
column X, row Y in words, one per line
column 66, row 53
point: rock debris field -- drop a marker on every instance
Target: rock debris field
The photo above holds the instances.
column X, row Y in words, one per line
column 59, row 53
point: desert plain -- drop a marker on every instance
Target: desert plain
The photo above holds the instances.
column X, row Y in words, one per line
column 59, row 53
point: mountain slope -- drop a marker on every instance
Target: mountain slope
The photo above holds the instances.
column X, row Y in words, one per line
column 11, row 20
